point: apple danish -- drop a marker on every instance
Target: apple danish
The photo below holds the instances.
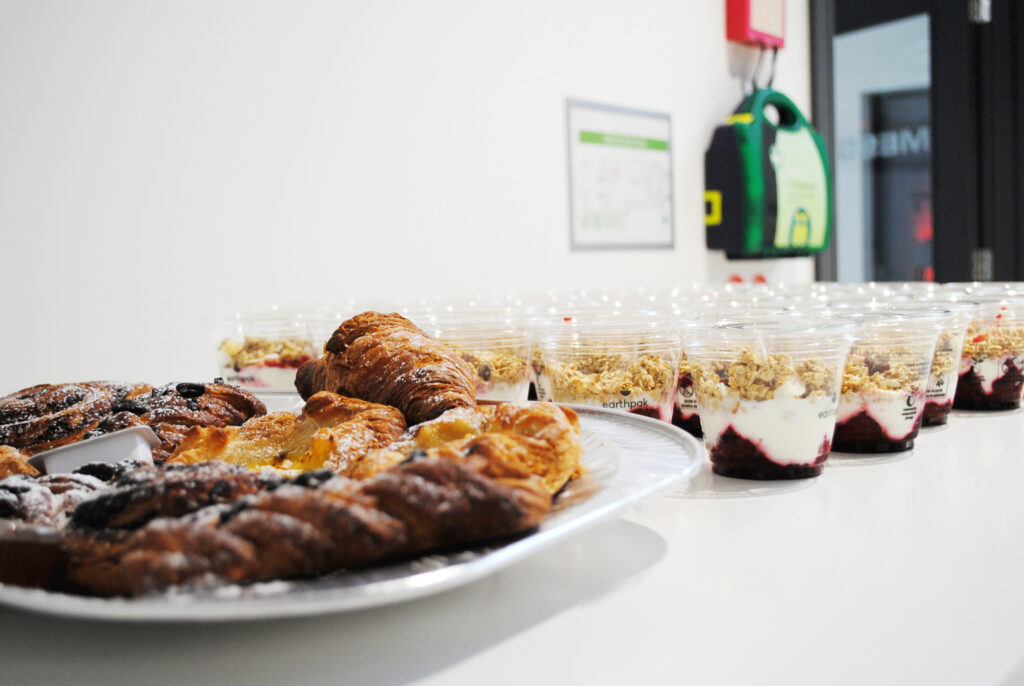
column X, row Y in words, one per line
column 333, row 432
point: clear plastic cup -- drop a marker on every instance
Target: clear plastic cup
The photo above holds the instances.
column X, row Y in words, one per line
column 767, row 391
column 624, row 365
column 324, row 321
column 263, row 350
column 885, row 380
column 495, row 348
column 953, row 318
column 942, row 380
column 992, row 360
column 685, row 411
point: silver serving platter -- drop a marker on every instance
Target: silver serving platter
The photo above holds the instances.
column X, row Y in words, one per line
column 626, row 457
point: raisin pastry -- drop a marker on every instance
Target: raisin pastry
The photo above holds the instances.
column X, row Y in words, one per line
column 51, row 415
column 315, row 526
column 47, row 500
column 168, row 491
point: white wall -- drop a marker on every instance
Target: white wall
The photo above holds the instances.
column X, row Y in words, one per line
column 163, row 161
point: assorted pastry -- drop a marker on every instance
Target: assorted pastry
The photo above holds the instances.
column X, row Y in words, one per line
column 390, row 457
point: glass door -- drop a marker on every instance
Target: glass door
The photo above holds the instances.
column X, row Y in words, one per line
column 920, row 103
column 883, row 163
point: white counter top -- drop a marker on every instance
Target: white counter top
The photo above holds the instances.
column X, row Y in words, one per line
column 902, row 570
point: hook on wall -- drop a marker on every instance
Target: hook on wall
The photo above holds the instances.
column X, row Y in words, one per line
column 751, row 85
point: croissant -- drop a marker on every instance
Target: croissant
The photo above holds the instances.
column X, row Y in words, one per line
column 315, row 525
column 386, row 359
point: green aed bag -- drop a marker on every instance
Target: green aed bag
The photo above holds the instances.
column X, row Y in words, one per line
column 767, row 185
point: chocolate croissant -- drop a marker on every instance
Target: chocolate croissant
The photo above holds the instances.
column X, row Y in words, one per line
column 386, row 359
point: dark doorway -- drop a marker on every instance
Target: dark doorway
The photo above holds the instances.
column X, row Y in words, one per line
column 918, row 100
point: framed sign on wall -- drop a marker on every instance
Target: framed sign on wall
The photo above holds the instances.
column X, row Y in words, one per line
column 620, row 177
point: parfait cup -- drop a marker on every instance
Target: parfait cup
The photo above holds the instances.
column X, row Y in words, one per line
column 263, row 350
column 942, row 380
column 626, row 366
column 885, row 379
column 496, row 349
column 992, row 360
column 768, row 390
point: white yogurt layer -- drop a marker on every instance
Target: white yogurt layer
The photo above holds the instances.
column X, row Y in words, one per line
column 255, row 376
column 990, row 369
column 896, row 412
column 788, row 429
column 502, row 391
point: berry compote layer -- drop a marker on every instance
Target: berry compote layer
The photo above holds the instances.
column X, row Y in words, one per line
column 690, row 423
column 878, row 422
column 936, row 413
column 735, row 456
column 646, row 411
column 992, row 384
column 785, row 437
column 685, row 414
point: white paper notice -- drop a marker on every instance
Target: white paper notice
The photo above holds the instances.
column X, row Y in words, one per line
column 620, row 177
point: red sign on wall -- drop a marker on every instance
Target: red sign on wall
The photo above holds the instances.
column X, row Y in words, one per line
column 756, row 22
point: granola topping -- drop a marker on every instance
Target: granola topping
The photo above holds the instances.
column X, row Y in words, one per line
column 757, row 376
column 586, row 377
column 278, row 352
column 496, row 366
column 993, row 340
column 867, row 371
column 942, row 361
